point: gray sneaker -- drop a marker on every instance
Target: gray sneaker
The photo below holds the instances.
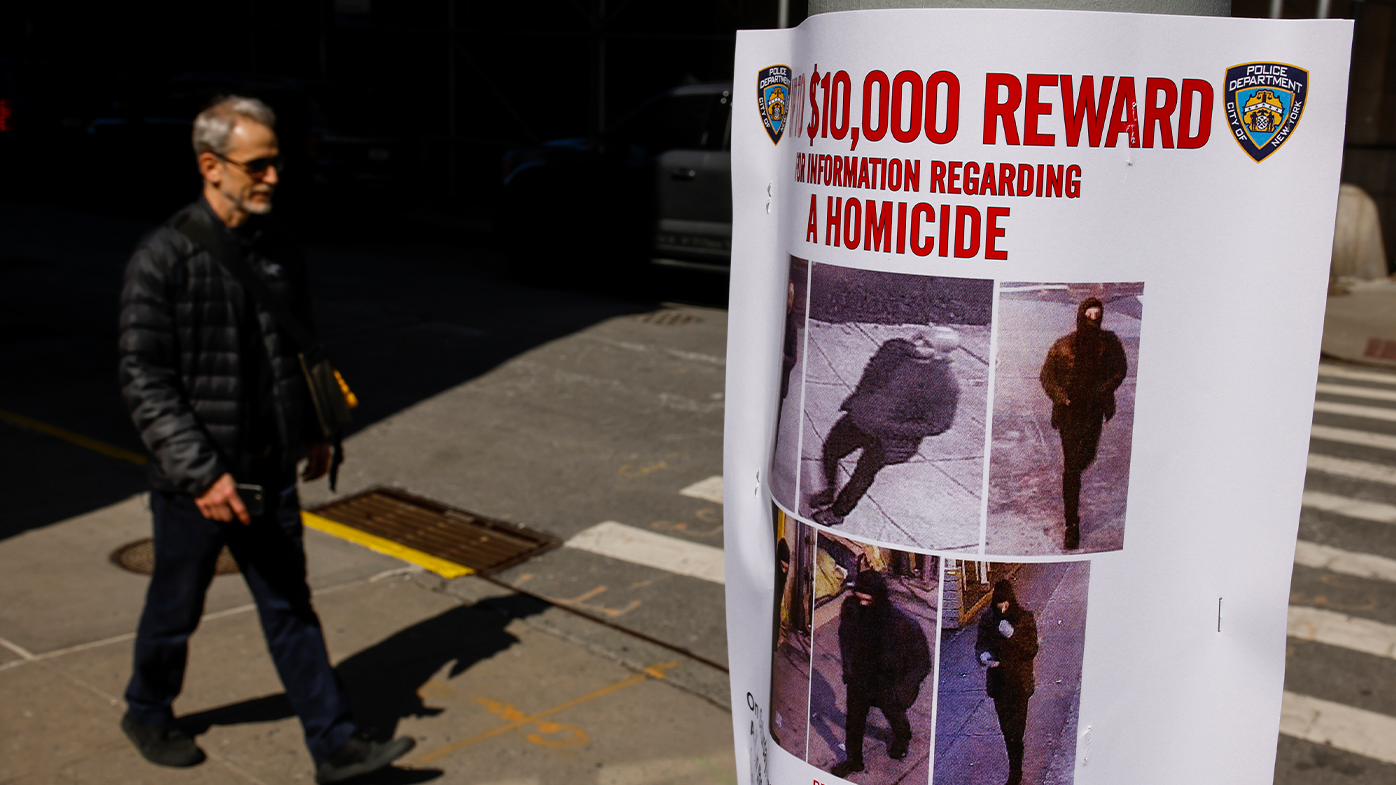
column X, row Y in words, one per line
column 164, row 745
column 360, row 756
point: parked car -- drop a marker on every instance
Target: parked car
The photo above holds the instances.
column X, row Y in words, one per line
column 655, row 187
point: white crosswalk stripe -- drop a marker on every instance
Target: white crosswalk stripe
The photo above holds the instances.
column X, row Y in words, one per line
column 660, row 551
column 1314, row 719
column 650, row 549
column 1358, row 731
column 1356, row 392
column 1357, row 470
column 1359, row 565
column 1356, row 410
column 1339, row 629
column 709, row 490
column 1352, row 508
column 1341, row 372
column 1351, row 436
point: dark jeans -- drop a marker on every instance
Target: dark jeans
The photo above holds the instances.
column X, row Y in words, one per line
column 1013, row 721
column 857, row 724
column 272, row 558
column 1013, row 716
column 1080, row 432
column 844, row 438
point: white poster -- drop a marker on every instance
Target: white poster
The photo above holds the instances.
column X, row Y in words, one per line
column 1024, row 326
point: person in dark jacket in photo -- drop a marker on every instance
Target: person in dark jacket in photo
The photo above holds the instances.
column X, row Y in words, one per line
column 1007, row 645
column 790, row 347
column 1081, row 373
column 216, row 390
column 907, row 392
column 885, row 658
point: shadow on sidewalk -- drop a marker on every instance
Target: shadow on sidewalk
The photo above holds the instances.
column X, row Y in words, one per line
column 383, row 680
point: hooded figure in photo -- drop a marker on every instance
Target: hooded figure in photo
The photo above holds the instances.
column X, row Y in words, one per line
column 885, row 658
column 1006, row 646
column 1080, row 375
column 907, row 393
column 782, row 574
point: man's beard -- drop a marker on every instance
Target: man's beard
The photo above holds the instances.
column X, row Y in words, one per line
column 248, row 206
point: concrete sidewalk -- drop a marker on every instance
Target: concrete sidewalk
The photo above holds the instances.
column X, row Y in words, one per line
column 495, row 686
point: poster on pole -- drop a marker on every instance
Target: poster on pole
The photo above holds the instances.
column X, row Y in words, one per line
column 1024, row 326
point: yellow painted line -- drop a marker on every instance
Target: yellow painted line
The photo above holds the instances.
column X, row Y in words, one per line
column 653, row 672
column 109, row 450
column 446, row 569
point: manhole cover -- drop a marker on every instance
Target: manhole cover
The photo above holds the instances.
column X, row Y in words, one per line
column 482, row 544
column 668, row 318
column 139, row 557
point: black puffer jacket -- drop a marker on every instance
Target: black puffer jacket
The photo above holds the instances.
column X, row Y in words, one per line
column 1013, row 678
column 182, row 371
column 901, row 399
column 1083, row 369
column 884, row 652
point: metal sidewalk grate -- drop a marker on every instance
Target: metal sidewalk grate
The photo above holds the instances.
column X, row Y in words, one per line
column 668, row 317
column 139, row 557
column 483, row 544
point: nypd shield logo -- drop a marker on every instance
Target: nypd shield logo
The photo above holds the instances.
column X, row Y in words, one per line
column 773, row 99
column 1264, row 102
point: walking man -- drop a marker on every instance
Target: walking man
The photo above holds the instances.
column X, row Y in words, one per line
column 214, row 386
column 1081, row 373
column 885, row 658
column 1006, row 646
column 907, row 393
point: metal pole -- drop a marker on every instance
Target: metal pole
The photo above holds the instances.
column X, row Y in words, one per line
column 1277, row 8
column 1325, row 7
column 783, row 13
column 1176, row 7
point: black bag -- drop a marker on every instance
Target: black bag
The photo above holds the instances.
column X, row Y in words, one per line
column 330, row 395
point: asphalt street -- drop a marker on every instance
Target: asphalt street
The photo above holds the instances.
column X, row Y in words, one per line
column 1339, row 721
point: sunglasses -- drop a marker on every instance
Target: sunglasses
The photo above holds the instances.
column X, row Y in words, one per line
column 256, row 166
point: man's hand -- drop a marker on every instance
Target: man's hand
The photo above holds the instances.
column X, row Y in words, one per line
column 1005, row 629
column 317, row 461
column 987, row 660
column 221, row 501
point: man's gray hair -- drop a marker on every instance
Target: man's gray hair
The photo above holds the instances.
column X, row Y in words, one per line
column 215, row 124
